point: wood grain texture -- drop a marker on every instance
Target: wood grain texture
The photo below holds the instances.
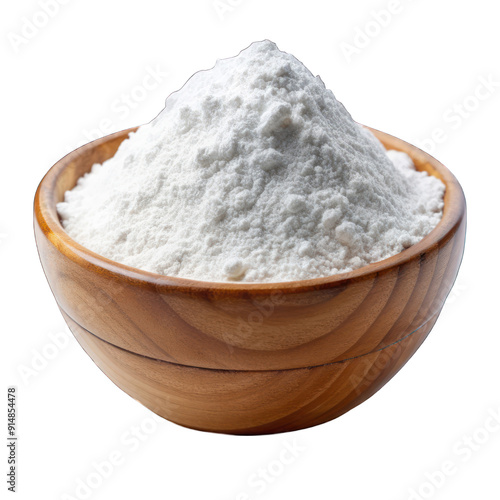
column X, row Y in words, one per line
column 249, row 402
column 241, row 329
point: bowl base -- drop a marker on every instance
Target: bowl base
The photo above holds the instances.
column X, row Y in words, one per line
column 249, row 402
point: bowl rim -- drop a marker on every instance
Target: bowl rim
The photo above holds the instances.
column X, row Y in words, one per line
column 47, row 218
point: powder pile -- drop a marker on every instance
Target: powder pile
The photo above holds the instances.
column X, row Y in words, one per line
column 253, row 172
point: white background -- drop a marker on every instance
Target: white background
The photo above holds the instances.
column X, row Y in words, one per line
column 67, row 81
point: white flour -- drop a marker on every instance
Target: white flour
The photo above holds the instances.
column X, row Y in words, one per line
column 252, row 172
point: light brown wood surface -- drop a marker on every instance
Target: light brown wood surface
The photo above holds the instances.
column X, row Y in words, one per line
column 248, row 358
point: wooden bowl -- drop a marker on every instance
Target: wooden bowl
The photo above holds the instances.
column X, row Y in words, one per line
column 248, row 358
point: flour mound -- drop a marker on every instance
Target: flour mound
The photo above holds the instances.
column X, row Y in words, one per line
column 253, row 172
